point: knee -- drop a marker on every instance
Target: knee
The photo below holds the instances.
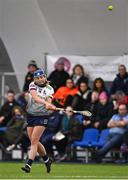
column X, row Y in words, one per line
column 34, row 141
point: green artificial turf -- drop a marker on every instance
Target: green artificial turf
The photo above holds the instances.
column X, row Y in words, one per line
column 65, row 171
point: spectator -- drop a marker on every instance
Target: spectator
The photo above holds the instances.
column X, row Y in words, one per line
column 6, row 109
column 120, row 83
column 105, row 111
column 14, row 132
column 60, row 96
column 52, row 128
column 22, row 100
column 78, row 75
column 32, row 67
column 99, row 85
column 119, row 98
column 72, row 128
column 82, row 97
column 118, row 126
column 59, row 76
column 92, row 107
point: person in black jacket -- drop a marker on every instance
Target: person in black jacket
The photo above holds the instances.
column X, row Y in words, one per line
column 6, row 109
column 32, row 67
column 14, row 133
column 59, row 76
column 105, row 110
column 120, row 83
column 99, row 85
column 92, row 107
column 82, row 97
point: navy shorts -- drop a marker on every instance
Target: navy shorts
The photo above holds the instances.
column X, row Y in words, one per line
column 37, row 121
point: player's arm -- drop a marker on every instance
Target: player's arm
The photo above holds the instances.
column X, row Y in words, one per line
column 49, row 101
column 49, row 98
column 39, row 100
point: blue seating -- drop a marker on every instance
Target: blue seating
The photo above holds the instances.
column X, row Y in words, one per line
column 90, row 137
column 80, row 118
column 102, row 139
column 3, row 128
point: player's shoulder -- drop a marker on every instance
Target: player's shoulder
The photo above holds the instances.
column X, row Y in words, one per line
column 32, row 86
column 32, row 83
column 49, row 87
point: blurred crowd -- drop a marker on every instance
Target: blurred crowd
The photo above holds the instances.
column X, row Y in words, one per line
column 72, row 92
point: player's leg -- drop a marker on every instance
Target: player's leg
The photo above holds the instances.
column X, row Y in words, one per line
column 34, row 134
column 41, row 150
column 35, row 137
column 27, row 167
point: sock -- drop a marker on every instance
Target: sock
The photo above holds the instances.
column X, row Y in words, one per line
column 29, row 163
column 45, row 158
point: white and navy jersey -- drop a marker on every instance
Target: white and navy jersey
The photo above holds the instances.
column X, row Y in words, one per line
column 34, row 108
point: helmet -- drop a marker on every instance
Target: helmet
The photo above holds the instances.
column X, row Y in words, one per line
column 39, row 72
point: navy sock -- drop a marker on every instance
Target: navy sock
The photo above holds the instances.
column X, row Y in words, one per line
column 30, row 161
column 45, row 158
